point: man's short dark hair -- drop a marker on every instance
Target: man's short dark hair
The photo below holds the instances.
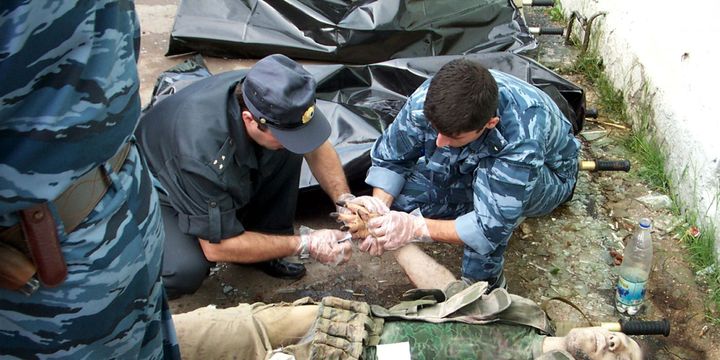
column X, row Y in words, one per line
column 462, row 97
column 241, row 101
column 239, row 96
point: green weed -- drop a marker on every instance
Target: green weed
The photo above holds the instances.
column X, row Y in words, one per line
column 651, row 158
column 702, row 255
column 556, row 13
column 612, row 101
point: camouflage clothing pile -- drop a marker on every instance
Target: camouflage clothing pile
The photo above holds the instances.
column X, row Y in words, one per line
column 69, row 101
column 525, row 166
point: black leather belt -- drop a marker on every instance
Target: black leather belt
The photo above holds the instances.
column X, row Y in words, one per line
column 36, row 234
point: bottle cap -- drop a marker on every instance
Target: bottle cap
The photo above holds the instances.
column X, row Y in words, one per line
column 645, row 223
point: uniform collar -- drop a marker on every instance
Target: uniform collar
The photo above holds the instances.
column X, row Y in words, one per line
column 244, row 146
column 495, row 141
column 490, row 143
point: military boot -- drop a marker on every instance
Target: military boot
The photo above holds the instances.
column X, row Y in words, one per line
column 493, row 283
column 282, row 269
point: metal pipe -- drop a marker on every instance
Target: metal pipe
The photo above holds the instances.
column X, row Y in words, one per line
column 604, row 165
column 587, row 28
column 546, row 30
column 538, row 2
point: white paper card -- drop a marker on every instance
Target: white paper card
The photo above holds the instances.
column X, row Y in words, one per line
column 397, row 351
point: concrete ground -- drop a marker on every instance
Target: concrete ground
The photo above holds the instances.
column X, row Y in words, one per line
column 567, row 254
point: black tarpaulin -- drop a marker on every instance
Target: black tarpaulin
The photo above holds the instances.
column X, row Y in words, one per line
column 347, row 31
column 360, row 101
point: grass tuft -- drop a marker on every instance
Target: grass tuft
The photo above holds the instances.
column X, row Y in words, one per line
column 702, row 256
column 612, row 101
column 652, row 159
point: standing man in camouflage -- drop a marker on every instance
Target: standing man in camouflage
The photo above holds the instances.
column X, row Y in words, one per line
column 475, row 151
column 73, row 181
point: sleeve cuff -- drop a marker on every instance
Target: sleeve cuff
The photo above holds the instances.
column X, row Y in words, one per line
column 213, row 230
column 387, row 180
column 472, row 234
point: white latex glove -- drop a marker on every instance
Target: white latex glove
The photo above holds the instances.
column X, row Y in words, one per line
column 330, row 247
column 363, row 207
column 344, row 198
column 371, row 203
column 396, row 229
column 372, row 246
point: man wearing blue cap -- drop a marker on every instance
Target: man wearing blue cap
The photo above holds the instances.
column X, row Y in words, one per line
column 227, row 151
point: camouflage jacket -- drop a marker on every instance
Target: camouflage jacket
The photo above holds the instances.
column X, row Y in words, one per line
column 501, row 167
column 68, row 101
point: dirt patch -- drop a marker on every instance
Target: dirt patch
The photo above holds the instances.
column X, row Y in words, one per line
column 376, row 280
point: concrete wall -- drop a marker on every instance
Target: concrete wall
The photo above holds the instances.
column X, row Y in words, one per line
column 666, row 52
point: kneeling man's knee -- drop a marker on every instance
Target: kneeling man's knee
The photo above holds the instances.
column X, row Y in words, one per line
column 185, row 277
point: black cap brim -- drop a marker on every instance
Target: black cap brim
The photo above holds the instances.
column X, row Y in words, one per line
column 306, row 138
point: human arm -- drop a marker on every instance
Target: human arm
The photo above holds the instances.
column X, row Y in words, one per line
column 383, row 196
column 499, row 192
column 396, row 151
column 325, row 165
column 396, row 229
column 443, row 231
column 326, row 246
column 250, row 247
column 437, row 230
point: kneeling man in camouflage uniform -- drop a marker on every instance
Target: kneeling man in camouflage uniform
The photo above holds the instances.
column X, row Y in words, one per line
column 473, row 152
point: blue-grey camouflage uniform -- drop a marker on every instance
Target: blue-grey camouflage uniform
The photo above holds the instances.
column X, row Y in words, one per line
column 68, row 101
column 525, row 166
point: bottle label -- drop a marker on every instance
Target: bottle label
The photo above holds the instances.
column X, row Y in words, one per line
column 630, row 293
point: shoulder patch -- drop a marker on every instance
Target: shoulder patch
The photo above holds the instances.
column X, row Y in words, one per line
column 219, row 162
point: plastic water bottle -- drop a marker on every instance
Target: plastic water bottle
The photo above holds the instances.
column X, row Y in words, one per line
column 635, row 270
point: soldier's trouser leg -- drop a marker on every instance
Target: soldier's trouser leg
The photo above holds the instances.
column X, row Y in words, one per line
column 272, row 208
column 241, row 332
column 477, row 267
column 184, row 263
column 549, row 192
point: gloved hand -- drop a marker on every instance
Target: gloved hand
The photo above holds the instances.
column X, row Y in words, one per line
column 357, row 212
column 372, row 204
column 396, row 228
column 371, row 245
column 342, row 199
column 330, row 247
